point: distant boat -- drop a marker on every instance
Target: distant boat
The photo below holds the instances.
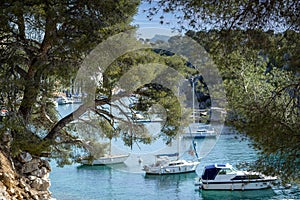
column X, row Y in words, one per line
column 106, row 160
column 164, row 165
column 63, row 100
column 76, row 100
column 140, row 118
column 200, row 130
column 226, row 177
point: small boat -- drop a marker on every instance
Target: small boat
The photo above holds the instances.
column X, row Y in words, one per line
column 140, row 118
column 226, row 177
column 63, row 100
column 106, row 160
column 164, row 165
column 200, row 131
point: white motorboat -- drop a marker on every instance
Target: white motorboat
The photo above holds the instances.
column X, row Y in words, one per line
column 106, row 160
column 226, row 177
column 165, row 165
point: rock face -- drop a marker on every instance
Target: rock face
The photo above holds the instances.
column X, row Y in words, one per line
column 24, row 178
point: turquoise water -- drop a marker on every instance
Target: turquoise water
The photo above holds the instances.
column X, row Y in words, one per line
column 127, row 181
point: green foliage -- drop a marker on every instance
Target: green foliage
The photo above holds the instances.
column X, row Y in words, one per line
column 23, row 139
column 229, row 15
column 263, row 93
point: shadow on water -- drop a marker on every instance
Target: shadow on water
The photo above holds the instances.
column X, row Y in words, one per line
column 120, row 167
column 169, row 181
column 237, row 195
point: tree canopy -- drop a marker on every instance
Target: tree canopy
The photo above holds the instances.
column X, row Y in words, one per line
column 198, row 15
column 42, row 46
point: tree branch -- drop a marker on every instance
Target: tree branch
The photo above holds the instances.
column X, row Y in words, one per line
column 20, row 71
column 71, row 117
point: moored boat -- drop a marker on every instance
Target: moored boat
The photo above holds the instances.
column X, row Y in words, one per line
column 226, row 177
column 164, row 164
column 200, row 131
column 106, row 160
column 63, row 100
column 140, row 118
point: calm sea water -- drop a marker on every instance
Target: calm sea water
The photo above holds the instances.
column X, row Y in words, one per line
column 127, row 181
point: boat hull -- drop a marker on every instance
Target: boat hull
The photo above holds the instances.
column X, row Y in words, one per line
column 200, row 136
column 236, row 185
column 109, row 160
column 161, row 170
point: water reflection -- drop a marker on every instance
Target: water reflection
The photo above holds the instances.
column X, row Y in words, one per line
column 237, row 195
column 165, row 182
column 101, row 168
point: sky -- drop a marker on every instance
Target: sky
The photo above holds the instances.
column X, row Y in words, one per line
column 148, row 29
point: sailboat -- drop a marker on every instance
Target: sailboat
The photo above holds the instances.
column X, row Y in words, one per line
column 106, row 159
column 199, row 130
column 165, row 165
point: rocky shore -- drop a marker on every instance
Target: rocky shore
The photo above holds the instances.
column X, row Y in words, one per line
column 25, row 177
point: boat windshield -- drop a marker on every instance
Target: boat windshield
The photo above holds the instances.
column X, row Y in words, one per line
column 175, row 163
column 224, row 171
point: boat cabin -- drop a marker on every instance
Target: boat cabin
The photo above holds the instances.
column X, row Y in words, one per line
column 211, row 171
column 220, row 171
column 226, row 177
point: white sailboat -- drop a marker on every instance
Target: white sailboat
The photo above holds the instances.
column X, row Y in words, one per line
column 107, row 159
column 165, row 165
column 199, row 130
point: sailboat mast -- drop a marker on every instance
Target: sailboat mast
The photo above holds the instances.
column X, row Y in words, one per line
column 193, row 93
column 110, row 146
column 178, row 146
column 110, row 112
